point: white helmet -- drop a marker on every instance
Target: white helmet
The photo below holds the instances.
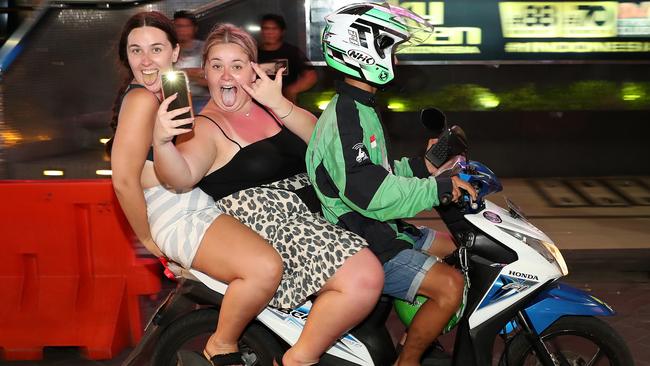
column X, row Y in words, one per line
column 359, row 39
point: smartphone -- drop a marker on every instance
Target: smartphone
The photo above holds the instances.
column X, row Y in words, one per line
column 452, row 141
column 272, row 67
column 280, row 63
column 440, row 152
column 177, row 82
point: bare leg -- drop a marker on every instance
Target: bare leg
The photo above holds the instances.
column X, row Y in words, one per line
column 442, row 245
column 443, row 285
column 233, row 253
column 344, row 301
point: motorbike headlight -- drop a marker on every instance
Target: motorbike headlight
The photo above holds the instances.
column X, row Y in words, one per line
column 558, row 257
column 547, row 250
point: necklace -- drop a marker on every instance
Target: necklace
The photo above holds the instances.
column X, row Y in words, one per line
column 250, row 110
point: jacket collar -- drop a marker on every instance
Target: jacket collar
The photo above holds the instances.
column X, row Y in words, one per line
column 355, row 93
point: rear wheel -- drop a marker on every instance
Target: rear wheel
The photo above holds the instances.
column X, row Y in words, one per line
column 573, row 341
column 192, row 331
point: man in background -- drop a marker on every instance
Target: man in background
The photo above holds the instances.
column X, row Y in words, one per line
column 274, row 53
column 190, row 57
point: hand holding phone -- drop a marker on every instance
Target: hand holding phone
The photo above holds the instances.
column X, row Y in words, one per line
column 451, row 142
column 177, row 82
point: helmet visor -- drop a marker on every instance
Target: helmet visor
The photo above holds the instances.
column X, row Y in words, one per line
column 419, row 29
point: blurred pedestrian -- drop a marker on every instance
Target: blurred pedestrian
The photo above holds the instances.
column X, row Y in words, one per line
column 274, row 53
column 190, row 57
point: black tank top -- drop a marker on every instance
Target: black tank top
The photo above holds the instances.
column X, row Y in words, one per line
column 271, row 159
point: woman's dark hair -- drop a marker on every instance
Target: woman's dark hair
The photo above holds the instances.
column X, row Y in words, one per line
column 143, row 19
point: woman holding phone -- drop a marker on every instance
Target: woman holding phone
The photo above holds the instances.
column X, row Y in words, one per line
column 183, row 225
column 247, row 151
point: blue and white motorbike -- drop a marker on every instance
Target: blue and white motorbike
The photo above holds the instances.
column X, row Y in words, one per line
column 512, row 293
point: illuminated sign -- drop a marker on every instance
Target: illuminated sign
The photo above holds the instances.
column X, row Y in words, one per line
column 492, row 30
column 432, row 11
column 634, row 19
column 558, row 20
column 449, row 40
column 572, row 20
column 577, row 47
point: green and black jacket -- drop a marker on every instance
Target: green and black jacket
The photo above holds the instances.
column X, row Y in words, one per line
column 358, row 188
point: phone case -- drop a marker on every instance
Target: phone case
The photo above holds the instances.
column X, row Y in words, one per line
column 451, row 142
column 440, row 152
column 177, row 82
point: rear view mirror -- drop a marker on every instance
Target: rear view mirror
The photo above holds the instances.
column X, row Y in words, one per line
column 433, row 120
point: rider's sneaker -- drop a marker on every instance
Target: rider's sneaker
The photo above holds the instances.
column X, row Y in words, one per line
column 435, row 355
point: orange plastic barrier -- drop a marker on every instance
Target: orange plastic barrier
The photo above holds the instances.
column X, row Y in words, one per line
column 68, row 271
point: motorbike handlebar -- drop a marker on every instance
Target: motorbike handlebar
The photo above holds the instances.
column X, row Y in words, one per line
column 447, row 199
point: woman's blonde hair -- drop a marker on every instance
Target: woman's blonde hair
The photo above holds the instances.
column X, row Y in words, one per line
column 228, row 33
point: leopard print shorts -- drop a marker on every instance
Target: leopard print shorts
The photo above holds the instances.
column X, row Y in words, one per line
column 311, row 248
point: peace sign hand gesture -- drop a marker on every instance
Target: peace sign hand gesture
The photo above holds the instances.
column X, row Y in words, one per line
column 264, row 90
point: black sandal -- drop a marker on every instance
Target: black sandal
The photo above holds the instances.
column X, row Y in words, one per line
column 187, row 358
column 225, row 359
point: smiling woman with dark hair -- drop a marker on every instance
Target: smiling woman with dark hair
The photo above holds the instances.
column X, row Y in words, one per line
column 184, row 226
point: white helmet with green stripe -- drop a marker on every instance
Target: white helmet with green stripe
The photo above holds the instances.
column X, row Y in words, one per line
column 359, row 39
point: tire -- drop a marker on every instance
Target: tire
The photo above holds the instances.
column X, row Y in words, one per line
column 192, row 331
column 584, row 331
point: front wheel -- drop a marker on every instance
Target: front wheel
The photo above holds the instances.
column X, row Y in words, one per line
column 573, row 340
column 191, row 332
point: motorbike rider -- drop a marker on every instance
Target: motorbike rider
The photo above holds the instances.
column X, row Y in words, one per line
column 361, row 190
